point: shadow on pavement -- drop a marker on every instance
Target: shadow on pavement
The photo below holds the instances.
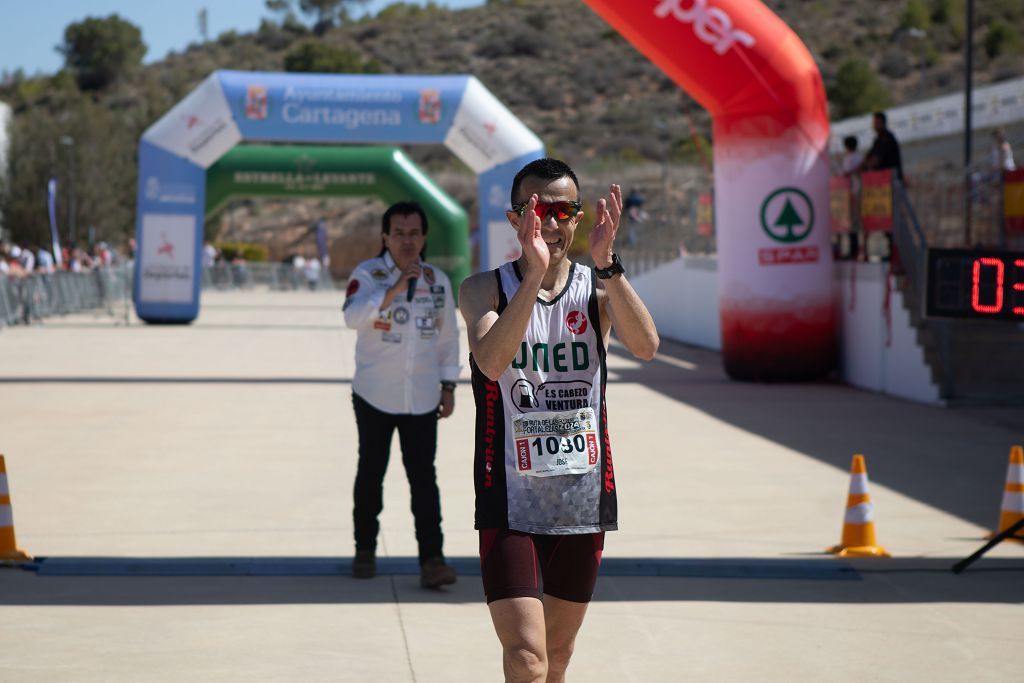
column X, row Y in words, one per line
column 305, row 580
column 951, row 459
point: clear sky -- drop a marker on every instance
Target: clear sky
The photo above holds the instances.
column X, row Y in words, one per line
column 30, row 29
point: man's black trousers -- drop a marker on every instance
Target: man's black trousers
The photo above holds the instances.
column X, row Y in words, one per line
column 417, row 435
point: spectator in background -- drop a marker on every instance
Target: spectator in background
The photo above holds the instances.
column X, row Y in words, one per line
column 1002, row 153
column 209, row 254
column 635, row 214
column 298, row 268
column 849, row 165
column 26, row 258
column 44, row 261
column 851, row 159
column 312, row 272
column 885, row 150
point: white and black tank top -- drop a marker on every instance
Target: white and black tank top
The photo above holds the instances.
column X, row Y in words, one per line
column 558, row 372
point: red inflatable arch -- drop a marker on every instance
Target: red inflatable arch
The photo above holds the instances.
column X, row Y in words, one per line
column 766, row 98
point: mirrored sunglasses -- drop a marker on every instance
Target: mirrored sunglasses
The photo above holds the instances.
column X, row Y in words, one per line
column 562, row 211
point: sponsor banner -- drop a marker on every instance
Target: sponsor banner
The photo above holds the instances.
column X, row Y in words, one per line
column 200, row 128
column 51, row 207
column 839, row 198
column 5, row 120
column 992, row 105
column 779, row 244
column 167, row 258
column 876, row 200
column 298, row 181
column 785, row 255
column 485, row 134
column 1013, row 201
column 342, row 107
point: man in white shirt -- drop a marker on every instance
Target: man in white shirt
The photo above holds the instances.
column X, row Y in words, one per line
column 407, row 361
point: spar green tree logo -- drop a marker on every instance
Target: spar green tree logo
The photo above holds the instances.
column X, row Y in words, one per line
column 787, row 215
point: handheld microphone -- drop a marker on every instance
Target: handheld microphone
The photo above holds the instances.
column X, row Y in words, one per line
column 411, row 292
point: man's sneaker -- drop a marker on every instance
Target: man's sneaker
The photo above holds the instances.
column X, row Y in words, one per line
column 364, row 564
column 434, row 573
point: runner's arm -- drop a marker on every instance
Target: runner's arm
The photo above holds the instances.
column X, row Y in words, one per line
column 494, row 339
column 623, row 310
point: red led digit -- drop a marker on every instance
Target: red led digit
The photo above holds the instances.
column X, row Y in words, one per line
column 976, row 289
column 1019, row 287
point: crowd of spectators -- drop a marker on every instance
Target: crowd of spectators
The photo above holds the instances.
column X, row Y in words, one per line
column 22, row 260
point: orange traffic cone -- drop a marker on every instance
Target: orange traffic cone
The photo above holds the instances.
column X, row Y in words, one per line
column 8, row 547
column 859, row 523
column 1013, row 495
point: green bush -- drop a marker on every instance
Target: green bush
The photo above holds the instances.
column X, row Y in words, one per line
column 915, row 15
column 857, row 90
column 1001, row 39
column 313, row 56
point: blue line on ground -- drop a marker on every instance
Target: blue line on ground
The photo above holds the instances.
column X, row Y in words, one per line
column 825, row 569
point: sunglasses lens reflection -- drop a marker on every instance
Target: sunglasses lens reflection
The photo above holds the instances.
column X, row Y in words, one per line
column 562, row 210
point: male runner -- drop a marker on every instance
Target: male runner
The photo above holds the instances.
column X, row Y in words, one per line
column 538, row 332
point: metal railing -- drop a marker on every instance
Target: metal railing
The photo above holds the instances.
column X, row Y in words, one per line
column 276, row 276
column 25, row 299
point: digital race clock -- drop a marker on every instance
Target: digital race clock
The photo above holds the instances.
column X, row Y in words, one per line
column 975, row 283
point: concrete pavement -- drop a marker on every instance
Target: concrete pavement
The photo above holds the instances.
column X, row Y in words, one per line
column 190, row 487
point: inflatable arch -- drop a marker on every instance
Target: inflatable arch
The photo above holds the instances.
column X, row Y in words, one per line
column 770, row 125
column 383, row 172
column 234, row 106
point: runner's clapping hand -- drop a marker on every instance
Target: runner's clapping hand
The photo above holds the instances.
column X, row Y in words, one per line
column 606, row 225
column 530, row 239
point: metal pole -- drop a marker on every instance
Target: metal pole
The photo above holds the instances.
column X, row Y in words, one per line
column 968, row 113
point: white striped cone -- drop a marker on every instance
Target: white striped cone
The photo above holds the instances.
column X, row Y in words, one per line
column 1012, row 508
column 858, row 539
column 9, row 551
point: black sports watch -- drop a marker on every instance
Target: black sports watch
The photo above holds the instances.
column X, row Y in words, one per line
column 614, row 269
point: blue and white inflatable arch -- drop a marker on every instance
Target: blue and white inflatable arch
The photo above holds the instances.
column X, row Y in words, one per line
column 230, row 107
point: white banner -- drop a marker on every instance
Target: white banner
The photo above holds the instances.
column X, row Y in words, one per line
column 200, row 128
column 167, row 258
column 993, row 105
column 485, row 133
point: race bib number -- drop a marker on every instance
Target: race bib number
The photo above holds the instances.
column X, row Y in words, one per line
column 556, row 442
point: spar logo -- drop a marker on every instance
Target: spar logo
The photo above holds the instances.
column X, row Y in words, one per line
column 576, row 322
column 787, row 216
column 711, row 24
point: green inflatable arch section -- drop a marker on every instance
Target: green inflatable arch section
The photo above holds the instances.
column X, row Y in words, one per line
column 382, row 172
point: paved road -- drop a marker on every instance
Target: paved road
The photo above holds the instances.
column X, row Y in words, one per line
column 189, row 488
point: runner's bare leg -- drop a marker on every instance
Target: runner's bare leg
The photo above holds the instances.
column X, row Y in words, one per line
column 562, row 620
column 519, row 623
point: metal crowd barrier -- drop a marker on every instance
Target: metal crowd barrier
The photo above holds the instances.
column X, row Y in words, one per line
column 276, row 276
column 31, row 298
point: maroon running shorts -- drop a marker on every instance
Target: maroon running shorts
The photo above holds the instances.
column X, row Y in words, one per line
column 515, row 564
